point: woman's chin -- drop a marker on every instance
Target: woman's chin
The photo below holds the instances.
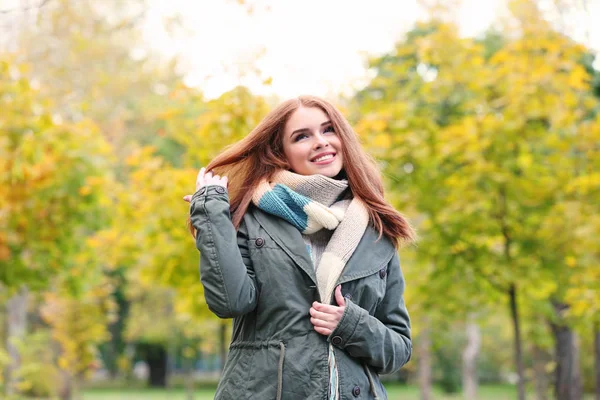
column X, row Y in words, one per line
column 330, row 172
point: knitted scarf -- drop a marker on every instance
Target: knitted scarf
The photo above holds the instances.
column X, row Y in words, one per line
column 310, row 203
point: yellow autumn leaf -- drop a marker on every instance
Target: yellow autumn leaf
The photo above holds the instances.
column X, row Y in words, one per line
column 63, row 363
column 571, row 261
column 85, row 190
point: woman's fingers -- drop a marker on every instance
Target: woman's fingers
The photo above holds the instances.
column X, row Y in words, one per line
column 326, row 308
column 318, row 323
column 321, row 315
column 216, row 180
column 325, row 318
column 205, row 182
column 200, row 179
column 322, row 327
column 341, row 301
column 206, row 178
column 323, row 331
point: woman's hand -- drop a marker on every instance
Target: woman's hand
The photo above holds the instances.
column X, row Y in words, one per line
column 324, row 317
column 205, row 179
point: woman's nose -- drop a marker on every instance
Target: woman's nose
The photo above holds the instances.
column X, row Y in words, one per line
column 321, row 141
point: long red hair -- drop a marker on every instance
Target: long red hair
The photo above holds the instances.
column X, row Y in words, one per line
column 260, row 154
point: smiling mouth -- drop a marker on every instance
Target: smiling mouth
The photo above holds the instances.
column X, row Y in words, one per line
column 322, row 158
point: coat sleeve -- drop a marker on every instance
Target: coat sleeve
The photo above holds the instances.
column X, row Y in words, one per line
column 226, row 271
column 381, row 340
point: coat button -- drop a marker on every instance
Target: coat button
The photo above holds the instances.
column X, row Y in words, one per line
column 382, row 273
column 336, row 340
column 202, row 190
column 220, row 189
column 260, row 242
column 348, row 296
column 356, row 391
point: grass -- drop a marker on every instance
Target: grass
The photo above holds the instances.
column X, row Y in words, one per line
column 395, row 392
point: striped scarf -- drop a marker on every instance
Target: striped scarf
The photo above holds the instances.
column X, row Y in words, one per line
column 310, row 203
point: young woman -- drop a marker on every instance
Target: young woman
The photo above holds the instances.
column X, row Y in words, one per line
column 298, row 245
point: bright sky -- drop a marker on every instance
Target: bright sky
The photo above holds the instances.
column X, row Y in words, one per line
column 307, row 47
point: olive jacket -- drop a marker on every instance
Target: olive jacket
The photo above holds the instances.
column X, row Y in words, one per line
column 262, row 276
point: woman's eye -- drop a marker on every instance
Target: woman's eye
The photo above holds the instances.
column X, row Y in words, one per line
column 300, row 136
column 329, row 129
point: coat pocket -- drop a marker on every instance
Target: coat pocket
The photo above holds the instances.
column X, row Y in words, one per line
column 235, row 374
column 264, row 377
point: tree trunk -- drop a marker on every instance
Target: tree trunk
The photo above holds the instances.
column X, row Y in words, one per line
column 568, row 375
column 512, row 293
column 189, row 381
column 16, row 327
column 469, row 372
column 115, row 348
column 424, row 356
column 171, row 360
column 155, row 356
column 223, row 344
column 66, row 389
column 540, row 359
column 597, row 358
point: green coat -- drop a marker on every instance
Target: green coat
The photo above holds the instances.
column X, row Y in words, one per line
column 263, row 277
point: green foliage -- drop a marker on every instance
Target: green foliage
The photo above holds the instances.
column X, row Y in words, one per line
column 480, row 148
column 205, row 128
column 490, row 146
column 38, row 374
column 53, row 178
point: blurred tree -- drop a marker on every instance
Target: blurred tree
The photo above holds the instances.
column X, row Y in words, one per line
column 78, row 322
column 204, row 128
column 479, row 144
column 92, row 61
column 145, row 251
column 53, row 178
column 403, row 113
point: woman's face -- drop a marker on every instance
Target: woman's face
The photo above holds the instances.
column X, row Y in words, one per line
column 310, row 144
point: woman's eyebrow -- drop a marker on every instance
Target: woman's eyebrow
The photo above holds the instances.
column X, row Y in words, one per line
column 299, row 131
column 308, row 130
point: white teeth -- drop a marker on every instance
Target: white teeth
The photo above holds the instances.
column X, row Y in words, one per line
column 325, row 157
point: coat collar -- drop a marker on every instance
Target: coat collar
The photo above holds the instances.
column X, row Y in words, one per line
column 369, row 257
